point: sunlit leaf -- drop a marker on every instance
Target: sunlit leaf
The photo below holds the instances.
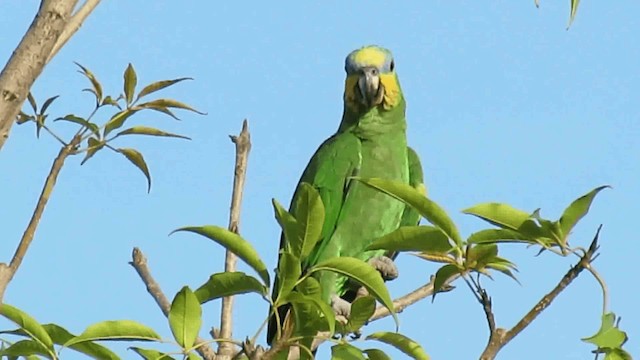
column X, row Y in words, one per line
column 502, row 215
column 93, row 146
column 577, row 210
column 27, row 348
column 402, row 343
column 30, row 325
column 149, row 354
column 289, row 272
column 117, row 120
column 574, row 11
column 130, row 82
column 489, row 236
column 97, row 88
column 159, row 85
column 413, row 238
column 345, row 351
column 376, row 354
column 288, row 224
column 310, row 218
column 60, row 336
column 609, row 335
column 81, row 121
column 135, row 157
column 127, row 330
column 145, row 130
column 185, row 317
column 234, row 243
column 227, row 284
column 167, row 103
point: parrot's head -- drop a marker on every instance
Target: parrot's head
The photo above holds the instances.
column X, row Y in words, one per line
column 371, row 79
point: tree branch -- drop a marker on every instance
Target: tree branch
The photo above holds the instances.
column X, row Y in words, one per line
column 139, row 262
column 29, row 58
column 243, row 146
column 499, row 337
column 73, row 26
column 8, row 271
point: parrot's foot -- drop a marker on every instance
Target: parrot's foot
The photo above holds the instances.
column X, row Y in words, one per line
column 385, row 266
column 340, row 306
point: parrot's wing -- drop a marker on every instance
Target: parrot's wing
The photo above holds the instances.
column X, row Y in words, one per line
column 329, row 171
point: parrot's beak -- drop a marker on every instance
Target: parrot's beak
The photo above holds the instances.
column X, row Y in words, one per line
column 370, row 88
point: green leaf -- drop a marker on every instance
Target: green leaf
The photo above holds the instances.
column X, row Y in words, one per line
column 574, row 10
column 313, row 303
column 376, row 354
column 125, row 330
column 363, row 273
column 490, row 236
column 479, row 255
column 234, row 243
column 577, row 210
column 97, row 88
column 442, row 275
column 117, row 120
column 136, row 159
column 609, row 335
column 616, row 354
column 93, row 146
column 81, row 121
column 227, row 284
column 413, row 238
column 130, row 82
column 502, row 215
column 310, row 217
column 289, row 271
column 108, row 100
column 426, row 207
column 288, row 224
column 47, row 103
column 149, row 354
column 361, row 311
column 159, row 85
column 23, row 118
column 345, row 351
column 145, row 130
column 30, row 325
column 60, row 336
column 32, row 102
column 27, row 348
column 402, row 343
column 185, row 317
column 167, row 103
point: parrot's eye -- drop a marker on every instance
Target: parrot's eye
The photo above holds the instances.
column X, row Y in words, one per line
column 392, row 66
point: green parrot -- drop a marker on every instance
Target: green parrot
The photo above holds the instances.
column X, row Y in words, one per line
column 370, row 142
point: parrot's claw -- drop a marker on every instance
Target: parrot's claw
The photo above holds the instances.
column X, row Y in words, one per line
column 385, row 266
column 340, row 306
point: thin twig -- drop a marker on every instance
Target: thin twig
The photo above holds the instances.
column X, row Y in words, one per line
column 73, row 25
column 8, row 271
column 139, row 262
column 499, row 338
column 243, row 146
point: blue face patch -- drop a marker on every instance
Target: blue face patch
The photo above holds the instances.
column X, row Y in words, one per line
column 369, row 56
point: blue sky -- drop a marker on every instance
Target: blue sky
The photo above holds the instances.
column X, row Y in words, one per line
column 504, row 105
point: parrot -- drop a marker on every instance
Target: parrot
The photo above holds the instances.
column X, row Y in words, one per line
column 370, row 142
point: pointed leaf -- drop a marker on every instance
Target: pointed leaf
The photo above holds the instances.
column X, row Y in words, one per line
column 490, row 236
column 81, row 121
column 185, row 317
column 289, row 271
column 288, row 224
column 234, row 243
column 313, row 303
column 310, row 217
column 47, row 103
column 32, row 102
column 227, row 284
column 60, row 336
column 413, row 238
column 502, row 215
column 118, row 120
column 346, row 352
column 376, row 354
column 145, row 130
column 426, row 207
column 126, row 330
column 159, row 85
column 442, row 275
column 361, row 311
column 136, row 159
column 167, row 103
column 23, row 118
column 130, row 82
column 94, row 145
column 27, row 348
column 30, row 325
column 97, row 88
column 574, row 10
column 108, row 100
column 609, row 336
column 577, row 210
column 363, row 273
column 149, row 354
column 402, row 343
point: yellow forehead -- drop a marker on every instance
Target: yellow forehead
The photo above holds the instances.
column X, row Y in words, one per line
column 370, row 56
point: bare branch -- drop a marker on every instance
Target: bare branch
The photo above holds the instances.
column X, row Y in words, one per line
column 73, row 26
column 499, row 338
column 139, row 262
column 29, row 58
column 243, row 146
column 8, row 271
